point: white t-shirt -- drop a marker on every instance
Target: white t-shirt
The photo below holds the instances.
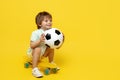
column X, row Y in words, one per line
column 34, row 37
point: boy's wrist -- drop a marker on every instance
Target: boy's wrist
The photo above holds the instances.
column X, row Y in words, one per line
column 39, row 41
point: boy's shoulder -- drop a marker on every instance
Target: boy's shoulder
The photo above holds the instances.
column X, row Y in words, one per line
column 38, row 31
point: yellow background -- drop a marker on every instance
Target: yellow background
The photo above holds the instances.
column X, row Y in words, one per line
column 92, row 38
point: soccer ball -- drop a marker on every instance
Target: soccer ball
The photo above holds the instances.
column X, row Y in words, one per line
column 53, row 38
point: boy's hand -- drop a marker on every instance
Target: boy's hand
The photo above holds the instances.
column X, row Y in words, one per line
column 42, row 38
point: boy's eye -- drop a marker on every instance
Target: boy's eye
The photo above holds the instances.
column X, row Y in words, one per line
column 46, row 20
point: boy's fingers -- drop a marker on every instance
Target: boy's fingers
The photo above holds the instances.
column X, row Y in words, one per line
column 43, row 35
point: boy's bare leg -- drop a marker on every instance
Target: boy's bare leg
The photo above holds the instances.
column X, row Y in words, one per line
column 36, row 56
column 50, row 54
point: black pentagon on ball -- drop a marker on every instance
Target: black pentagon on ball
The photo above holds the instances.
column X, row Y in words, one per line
column 57, row 32
column 48, row 36
column 57, row 42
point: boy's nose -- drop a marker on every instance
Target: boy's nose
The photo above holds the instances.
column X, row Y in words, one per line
column 49, row 21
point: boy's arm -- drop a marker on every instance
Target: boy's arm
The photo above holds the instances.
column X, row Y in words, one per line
column 34, row 44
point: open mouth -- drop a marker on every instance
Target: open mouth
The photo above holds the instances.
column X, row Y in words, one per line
column 48, row 25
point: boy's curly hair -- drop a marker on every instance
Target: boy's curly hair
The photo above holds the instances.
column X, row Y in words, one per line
column 40, row 17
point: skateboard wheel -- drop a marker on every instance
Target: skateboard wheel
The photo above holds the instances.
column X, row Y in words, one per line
column 26, row 65
column 54, row 70
column 47, row 71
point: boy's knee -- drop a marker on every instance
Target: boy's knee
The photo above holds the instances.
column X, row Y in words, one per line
column 49, row 49
column 36, row 50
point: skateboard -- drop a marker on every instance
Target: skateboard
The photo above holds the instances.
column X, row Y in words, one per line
column 48, row 67
column 44, row 65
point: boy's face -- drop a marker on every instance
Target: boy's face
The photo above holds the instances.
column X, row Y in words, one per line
column 46, row 23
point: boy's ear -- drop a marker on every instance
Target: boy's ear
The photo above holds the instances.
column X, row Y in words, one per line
column 39, row 24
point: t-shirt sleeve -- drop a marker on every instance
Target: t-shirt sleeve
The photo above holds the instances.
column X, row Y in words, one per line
column 34, row 36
